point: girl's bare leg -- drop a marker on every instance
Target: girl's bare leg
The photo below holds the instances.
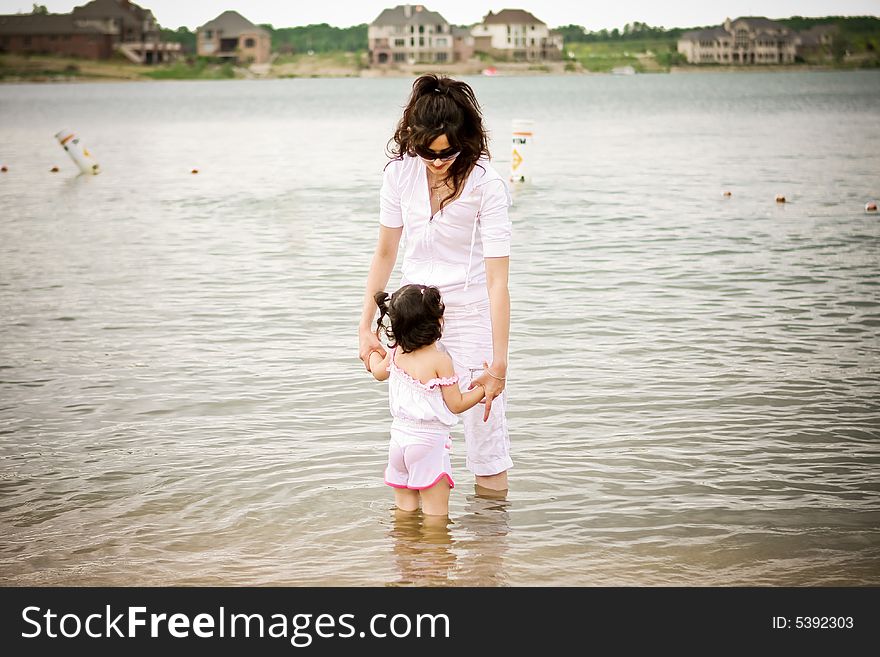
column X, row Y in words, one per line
column 406, row 499
column 435, row 500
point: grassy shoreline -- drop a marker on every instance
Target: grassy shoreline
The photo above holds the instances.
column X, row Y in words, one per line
column 644, row 57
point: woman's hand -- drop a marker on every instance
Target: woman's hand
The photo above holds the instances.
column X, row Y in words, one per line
column 368, row 344
column 493, row 385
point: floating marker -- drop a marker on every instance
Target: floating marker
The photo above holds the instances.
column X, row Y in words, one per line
column 54, row 170
column 523, row 134
column 78, row 153
column 194, row 171
column 3, row 169
column 780, row 198
column 725, row 194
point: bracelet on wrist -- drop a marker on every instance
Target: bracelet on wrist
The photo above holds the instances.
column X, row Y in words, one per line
column 499, row 378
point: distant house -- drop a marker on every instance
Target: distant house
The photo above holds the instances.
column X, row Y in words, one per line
column 409, row 34
column 517, row 35
column 748, row 40
column 706, row 46
column 54, row 34
column 233, row 37
column 462, row 44
column 131, row 22
column 817, row 41
column 95, row 30
column 139, row 35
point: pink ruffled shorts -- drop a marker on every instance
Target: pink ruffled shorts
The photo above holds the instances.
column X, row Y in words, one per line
column 418, row 458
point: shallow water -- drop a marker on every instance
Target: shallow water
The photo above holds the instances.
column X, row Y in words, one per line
column 693, row 383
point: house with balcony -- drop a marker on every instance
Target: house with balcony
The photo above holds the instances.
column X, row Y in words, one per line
column 410, row 34
column 95, row 30
column 516, row 35
column 137, row 32
column 233, row 37
column 743, row 41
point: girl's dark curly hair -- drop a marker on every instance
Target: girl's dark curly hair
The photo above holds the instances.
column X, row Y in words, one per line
column 414, row 313
column 442, row 106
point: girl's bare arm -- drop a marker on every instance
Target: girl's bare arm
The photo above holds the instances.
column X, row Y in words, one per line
column 379, row 365
column 452, row 395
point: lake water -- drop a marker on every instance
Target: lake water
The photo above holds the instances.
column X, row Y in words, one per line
column 694, row 389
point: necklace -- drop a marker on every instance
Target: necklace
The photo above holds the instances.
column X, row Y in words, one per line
column 437, row 188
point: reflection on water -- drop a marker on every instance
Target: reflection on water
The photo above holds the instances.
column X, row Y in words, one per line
column 422, row 549
column 484, row 525
column 466, row 551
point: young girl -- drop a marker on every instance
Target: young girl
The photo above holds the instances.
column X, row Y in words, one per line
column 424, row 397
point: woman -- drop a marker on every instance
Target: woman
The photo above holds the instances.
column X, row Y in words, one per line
column 442, row 196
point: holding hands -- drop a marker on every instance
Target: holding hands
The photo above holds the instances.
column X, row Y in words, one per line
column 493, row 380
column 368, row 343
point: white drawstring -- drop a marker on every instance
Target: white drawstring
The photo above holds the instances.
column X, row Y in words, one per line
column 467, row 276
column 412, row 191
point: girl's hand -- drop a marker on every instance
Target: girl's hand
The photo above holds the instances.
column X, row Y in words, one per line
column 493, row 385
column 368, row 344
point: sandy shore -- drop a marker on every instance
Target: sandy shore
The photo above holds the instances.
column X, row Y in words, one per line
column 44, row 68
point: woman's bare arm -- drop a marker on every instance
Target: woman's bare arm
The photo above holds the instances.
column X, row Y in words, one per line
column 381, row 267
column 497, row 270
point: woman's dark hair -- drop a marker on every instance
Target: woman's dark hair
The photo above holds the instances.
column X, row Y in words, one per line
column 414, row 313
column 442, row 106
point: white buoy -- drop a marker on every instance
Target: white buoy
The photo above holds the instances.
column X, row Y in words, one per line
column 78, row 153
column 523, row 134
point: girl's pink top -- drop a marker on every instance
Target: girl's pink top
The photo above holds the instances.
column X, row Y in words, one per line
column 417, row 404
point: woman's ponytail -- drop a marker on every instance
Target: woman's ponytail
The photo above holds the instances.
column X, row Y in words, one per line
column 424, row 85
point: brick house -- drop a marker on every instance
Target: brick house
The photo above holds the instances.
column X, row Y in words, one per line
column 54, row 34
column 233, row 37
column 462, row 44
column 95, row 30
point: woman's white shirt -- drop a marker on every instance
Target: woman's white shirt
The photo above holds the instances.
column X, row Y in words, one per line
column 447, row 250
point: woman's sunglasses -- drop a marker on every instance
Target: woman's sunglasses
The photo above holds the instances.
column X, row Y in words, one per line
column 444, row 156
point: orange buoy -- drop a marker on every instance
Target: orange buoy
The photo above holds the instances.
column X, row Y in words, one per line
column 726, row 193
column 54, row 170
column 871, row 206
column 194, row 171
column 780, row 198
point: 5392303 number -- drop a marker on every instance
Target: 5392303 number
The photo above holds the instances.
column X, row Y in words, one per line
column 823, row 622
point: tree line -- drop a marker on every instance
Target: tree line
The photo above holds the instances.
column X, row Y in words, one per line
column 316, row 38
column 853, row 25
